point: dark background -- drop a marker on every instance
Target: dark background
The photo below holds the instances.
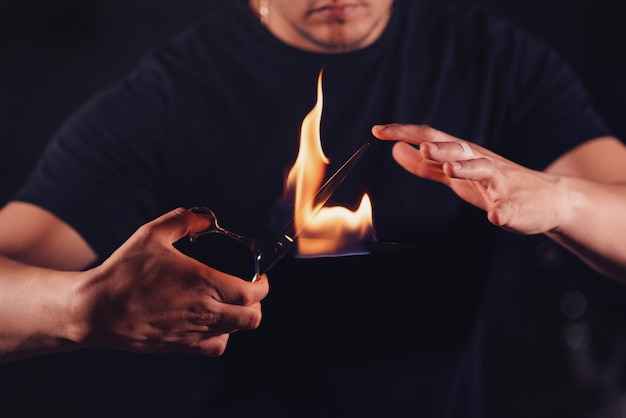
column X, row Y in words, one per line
column 55, row 54
column 557, row 344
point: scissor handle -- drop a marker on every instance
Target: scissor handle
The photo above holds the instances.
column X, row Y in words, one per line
column 265, row 259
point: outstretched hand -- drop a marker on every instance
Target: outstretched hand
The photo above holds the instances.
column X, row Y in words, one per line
column 150, row 297
column 514, row 197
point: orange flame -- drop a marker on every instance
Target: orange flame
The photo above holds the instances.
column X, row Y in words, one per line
column 332, row 230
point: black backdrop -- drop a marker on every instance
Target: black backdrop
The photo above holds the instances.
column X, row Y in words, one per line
column 55, row 54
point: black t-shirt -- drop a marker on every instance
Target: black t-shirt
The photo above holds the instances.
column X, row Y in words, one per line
column 213, row 118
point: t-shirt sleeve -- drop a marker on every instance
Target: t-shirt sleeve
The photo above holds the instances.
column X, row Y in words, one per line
column 550, row 109
column 101, row 170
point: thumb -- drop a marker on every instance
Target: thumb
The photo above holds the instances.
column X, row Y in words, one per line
column 178, row 223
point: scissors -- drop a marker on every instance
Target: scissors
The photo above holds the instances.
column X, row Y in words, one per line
column 268, row 252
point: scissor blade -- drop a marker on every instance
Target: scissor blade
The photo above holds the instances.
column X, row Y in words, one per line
column 285, row 242
column 328, row 188
column 268, row 258
column 324, row 193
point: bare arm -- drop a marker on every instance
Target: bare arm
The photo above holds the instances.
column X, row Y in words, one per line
column 33, row 235
column 594, row 184
column 579, row 200
column 147, row 297
column 38, row 311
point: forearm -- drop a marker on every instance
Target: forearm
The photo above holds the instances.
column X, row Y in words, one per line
column 40, row 311
column 593, row 224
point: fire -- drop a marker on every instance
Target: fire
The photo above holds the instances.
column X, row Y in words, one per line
column 325, row 231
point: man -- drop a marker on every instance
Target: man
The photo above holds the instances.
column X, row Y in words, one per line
column 95, row 246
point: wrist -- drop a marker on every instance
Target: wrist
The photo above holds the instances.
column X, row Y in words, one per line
column 84, row 294
column 572, row 204
column 42, row 312
column 76, row 306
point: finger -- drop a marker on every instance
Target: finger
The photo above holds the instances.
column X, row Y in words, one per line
column 467, row 150
column 235, row 291
column 233, row 303
column 178, row 223
column 260, row 288
column 208, row 330
column 236, row 317
column 412, row 134
column 478, row 169
column 212, row 317
column 501, row 213
column 194, row 343
column 213, row 346
column 407, row 156
column 448, row 151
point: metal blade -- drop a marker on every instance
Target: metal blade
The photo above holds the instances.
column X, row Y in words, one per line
column 324, row 193
column 285, row 242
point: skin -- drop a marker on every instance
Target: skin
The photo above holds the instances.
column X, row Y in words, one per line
column 578, row 201
column 327, row 26
column 148, row 297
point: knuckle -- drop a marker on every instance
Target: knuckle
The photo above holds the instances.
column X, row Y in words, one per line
column 144, row 232
column 214, row 346
column 254, row 320
column 248, row 296
column 243, row 295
